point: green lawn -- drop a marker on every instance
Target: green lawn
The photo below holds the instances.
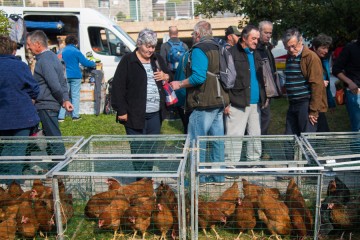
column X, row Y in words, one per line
column 105, row 124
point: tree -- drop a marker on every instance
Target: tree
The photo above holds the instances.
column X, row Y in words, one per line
column 337, row 18
column 4, row 23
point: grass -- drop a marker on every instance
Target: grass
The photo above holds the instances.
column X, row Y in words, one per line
column 105, row 124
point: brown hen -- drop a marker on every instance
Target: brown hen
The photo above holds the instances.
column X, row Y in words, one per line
column 244, row 216
column 231, row 194
column 251, row 191
column 163, row 218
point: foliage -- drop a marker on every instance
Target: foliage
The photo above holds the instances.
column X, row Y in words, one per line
column 120, row 16
column 337, row 18
column 4, row 23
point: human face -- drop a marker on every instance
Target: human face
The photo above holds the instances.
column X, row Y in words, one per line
column 293, row 46
column 34, row 47
column 266, row 33
column 252, row 40
column 232, row 39
column 195, row 37
column 146, row 51
column 322, row 51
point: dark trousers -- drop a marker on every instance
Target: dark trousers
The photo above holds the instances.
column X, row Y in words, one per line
column 265, row 119
column 297, row 118
column 152, row 126
column 184, row 118
column 322, row 124
column 50, row 126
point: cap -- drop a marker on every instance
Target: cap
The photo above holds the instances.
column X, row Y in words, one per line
column 232, row 30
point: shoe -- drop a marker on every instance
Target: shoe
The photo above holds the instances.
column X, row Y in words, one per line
column 283, row 178
column 266, row 156
column 231, row 177
column 76, row 118
column 61, row 120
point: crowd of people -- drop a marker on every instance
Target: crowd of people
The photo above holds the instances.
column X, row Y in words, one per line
column 206, row 108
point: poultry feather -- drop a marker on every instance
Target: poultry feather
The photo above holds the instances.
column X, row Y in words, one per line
column 251, row 191
column 301, row 217
column 111, row 217
column 231, row 194
column 163, row 218
column 338, row 190
column 15, row 190
column 26, row 220
column 113, row 183
column 274, row 213
column 208, row 215
column 98, row 202
column 244, row 216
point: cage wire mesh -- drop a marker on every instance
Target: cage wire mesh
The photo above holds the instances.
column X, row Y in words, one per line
column 334, row 150
column 273, row 195
column 340, row 205
column 126, row 160
column 129, row 146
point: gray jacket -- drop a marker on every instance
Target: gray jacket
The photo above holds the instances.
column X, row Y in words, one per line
column 49, row 73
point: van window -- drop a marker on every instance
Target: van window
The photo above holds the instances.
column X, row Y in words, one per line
column 103, row 41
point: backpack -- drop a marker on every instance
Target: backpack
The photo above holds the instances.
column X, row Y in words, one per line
column 174, row 55
column 227, row 74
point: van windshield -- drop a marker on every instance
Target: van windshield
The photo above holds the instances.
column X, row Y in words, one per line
column 124, row 34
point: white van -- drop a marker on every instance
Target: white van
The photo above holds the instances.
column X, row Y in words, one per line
column 96, row 33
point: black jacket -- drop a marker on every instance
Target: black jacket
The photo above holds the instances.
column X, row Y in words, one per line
column 240, row 94
column 129, row 89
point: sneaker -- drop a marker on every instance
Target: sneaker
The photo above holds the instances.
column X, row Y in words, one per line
column 76, row 118
column 61, row 120
column 231, row 177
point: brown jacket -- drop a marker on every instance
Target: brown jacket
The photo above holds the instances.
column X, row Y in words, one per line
column 312, row 70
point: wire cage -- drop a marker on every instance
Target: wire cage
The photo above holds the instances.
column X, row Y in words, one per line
column 339, row 150
column 277, row 193
column 127, row 160
column 340, row 205
column 98, row 146
column 34, row 157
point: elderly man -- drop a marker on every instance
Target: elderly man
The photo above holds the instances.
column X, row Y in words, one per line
column 248, row 95
column 304, row 85
column 264, row 47
column 203, row 99
column 49, row 74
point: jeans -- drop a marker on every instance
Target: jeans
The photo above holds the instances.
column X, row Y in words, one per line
column 208, row 122
column 50, row 125
column 74, row 85
column 353, row 108
column 152, row 126
column 239, row 120
column 13, row 149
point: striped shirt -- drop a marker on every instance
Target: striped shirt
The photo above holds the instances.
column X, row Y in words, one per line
column 297, row 87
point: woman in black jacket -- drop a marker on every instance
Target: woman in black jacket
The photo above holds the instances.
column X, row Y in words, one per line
column 137, row 93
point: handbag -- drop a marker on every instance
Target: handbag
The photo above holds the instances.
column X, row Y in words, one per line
column 170, row 95
column 271, row 81
column 339, row 96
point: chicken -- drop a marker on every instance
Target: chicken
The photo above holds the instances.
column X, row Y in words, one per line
column 111, row 217
column 165, row 191
column 26, row 220
column 338, row 190
column 8, row 229
column 251, row 191
column 15, row 190
column 231, row 194
column 163, row 218
column 274, row 213
column 141, row 188
column 43, row 216
column 175, row 228
column 40, row 190
column 113, row 183
column 301, row 217
column 98, row 202
column 208, row 214
column 67, row 197
column 138, row 215
column 325, row 216
column 244, row 216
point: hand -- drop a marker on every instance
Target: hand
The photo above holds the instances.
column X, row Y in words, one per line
column 161, row 76
column 175, row 85
column 353, row 87
column 33, row 101
column 313, row 119
column 326, row 83
column 122, row 118
column 227, row 110
column 68, row 106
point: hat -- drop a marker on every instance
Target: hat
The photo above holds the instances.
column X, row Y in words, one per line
column 232, row 30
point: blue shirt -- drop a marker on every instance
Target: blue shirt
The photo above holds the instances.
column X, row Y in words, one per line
column 72, row 57
column 198, row 67
column 254, row 84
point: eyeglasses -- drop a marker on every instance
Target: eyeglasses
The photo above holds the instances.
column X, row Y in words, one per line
column 294, row 46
